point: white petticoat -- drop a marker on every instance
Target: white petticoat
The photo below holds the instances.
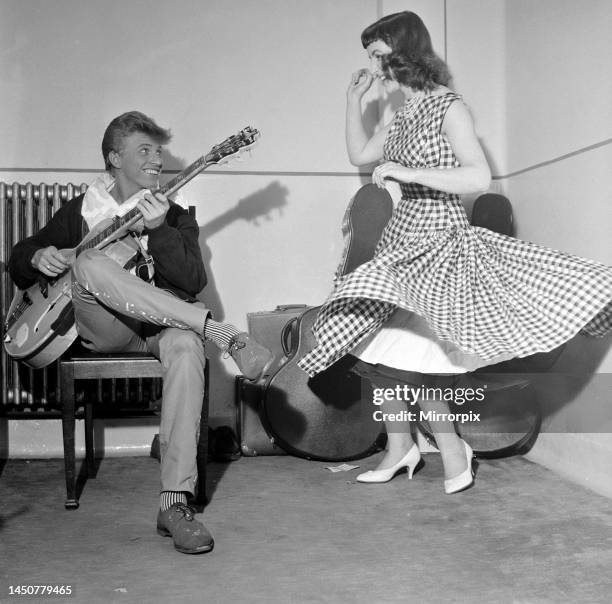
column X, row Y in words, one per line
column 406, row 342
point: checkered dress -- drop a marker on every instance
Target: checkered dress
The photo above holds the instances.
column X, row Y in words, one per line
column 487, row 293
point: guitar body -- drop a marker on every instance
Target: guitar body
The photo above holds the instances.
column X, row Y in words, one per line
column 328, row 417
column 41, row 325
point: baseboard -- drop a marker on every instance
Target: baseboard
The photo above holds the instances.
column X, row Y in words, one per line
column 581, row 458
column 41, row 439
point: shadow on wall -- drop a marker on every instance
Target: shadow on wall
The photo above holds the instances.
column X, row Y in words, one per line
column 254, row 208
column 173, row 164
column 574, row 396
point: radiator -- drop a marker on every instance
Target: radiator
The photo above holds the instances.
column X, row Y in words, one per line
column 25, row 208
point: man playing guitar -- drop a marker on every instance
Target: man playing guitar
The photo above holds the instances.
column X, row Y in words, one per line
column 118, row 309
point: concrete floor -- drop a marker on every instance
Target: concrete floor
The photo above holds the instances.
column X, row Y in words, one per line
column 288, row 530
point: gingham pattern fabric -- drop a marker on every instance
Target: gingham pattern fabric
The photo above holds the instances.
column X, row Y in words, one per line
column 487, row 293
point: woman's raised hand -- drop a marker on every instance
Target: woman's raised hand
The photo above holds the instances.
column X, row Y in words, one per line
column 360, row 83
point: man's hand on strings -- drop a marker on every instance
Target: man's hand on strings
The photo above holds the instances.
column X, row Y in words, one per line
column 154, row 207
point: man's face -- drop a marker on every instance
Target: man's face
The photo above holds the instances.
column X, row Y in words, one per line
column 139, row 163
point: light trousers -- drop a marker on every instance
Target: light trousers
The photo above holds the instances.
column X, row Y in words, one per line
column 116, row 311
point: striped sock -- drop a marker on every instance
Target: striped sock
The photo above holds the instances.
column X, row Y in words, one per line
column 169, row 498
column 219, row 333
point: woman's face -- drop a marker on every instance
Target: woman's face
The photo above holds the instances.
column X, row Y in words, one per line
column 376, row 51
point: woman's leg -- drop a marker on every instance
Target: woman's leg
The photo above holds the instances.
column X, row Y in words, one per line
column 402, row 452
column 399, row 436
column 449, row 443
column 394, row 415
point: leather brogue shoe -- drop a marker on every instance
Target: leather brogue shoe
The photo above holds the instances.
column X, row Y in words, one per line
column 189, row 535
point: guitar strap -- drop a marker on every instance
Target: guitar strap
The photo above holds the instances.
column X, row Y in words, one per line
column 145, row 267
column 141, row 264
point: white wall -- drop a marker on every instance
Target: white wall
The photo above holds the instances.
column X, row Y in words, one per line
column 476, row 47
column 470, row 35
column 559, row 102
column 206, row 69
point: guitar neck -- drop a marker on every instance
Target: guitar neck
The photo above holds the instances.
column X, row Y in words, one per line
column 184, row 176
column 121, row 221
column 230, row 147
column 134, row 214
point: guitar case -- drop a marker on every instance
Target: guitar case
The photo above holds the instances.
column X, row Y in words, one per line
column 325, row 418
column 266, row 328
column 253, row 438
column 365, row 219
column 329, row 417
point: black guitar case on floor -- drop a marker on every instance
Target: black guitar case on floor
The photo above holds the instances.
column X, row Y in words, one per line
column 325, row 418
column 328, row 417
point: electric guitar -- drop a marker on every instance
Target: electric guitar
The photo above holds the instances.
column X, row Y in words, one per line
column 40, row 323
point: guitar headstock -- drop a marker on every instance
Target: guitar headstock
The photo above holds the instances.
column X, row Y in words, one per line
column 233, row 146
column 230, row 148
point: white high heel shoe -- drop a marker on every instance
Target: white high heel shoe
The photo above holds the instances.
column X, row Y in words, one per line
column 410, row 461
column 466, row 478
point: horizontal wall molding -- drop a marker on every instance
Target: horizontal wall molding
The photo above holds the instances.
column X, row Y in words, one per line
column 554, row 160
column 232, row 172
column 537, row 166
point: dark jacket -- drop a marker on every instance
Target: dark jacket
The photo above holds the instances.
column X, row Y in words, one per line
column 173, row 245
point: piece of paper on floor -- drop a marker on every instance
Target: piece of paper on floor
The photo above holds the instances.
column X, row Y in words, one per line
column 341, row 468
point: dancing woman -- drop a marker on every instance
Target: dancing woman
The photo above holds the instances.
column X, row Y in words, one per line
column 440, row 297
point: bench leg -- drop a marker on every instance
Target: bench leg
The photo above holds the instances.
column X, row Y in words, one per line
column 68, row 423
column 89, row 441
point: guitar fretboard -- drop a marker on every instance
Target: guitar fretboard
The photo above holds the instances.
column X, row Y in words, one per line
column 184, row 176
column 119, row 222
column 170, row 187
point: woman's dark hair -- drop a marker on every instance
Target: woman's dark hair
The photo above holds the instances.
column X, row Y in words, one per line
column 423, row 72
column 126, row 124
column 412, row 61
